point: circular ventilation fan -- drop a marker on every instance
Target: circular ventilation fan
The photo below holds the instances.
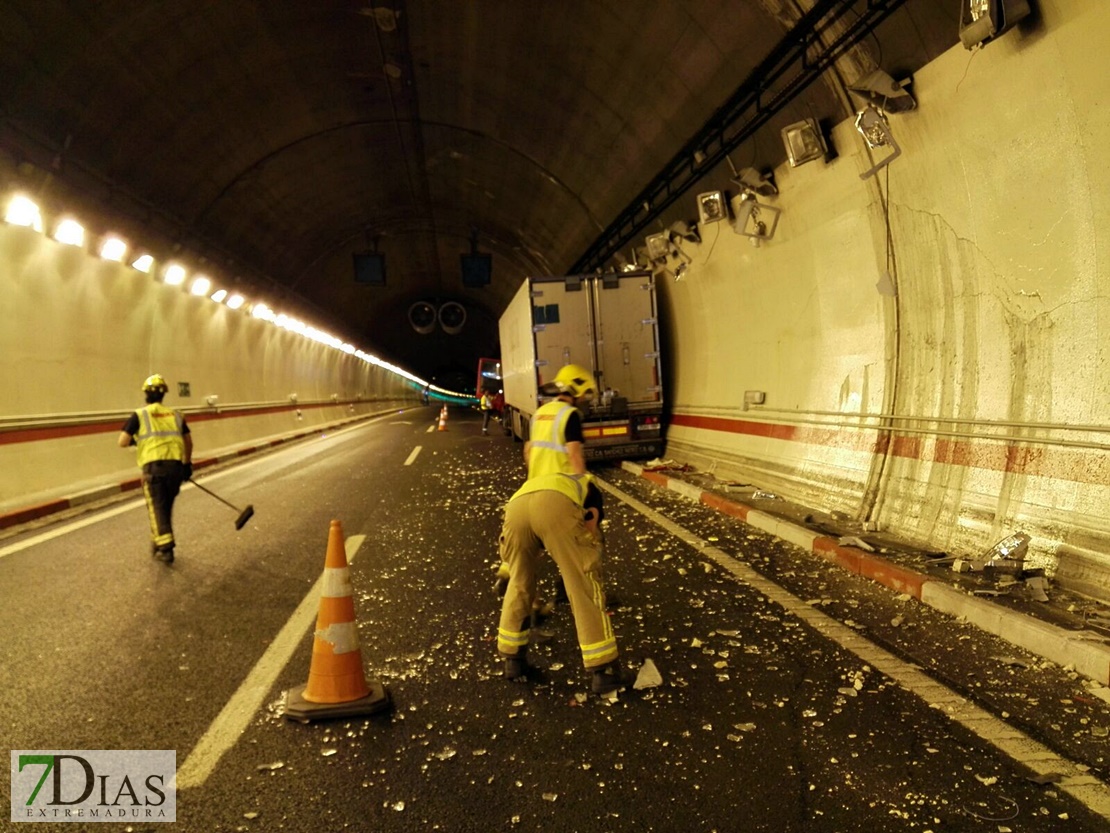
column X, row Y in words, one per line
column 452, row 316
column 422, row 317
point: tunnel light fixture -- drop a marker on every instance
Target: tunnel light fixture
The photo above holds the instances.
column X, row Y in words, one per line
column 712, row 207
column 804, row 142
column 262, row 311
column 113, row 249
column 235, row 301
column 873, row 127
column 143, row 263
column 219, row 295
column 200, row 286
column 23, row 211
column 70, row 232
column 174, row 274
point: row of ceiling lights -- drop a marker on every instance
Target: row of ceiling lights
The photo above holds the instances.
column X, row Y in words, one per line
column 23, row 211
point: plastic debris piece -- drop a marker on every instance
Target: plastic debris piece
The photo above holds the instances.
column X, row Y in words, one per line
column 759, row 494
column 1036, row 587
column 848, row 692
column 550, row 796
column 398, row 806
column 853, row 541
column 447, row 754
column 649, row 676
column 270, row 767
column 744, row 727
column 251, row 815
column 327, row 753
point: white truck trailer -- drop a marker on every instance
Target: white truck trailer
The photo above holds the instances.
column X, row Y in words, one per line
column 609, row 325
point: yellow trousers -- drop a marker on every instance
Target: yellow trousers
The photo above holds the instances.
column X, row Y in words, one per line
column 550, row 520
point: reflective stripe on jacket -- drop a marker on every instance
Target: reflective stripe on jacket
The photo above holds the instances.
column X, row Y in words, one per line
column 548, row 460
column 161, row 434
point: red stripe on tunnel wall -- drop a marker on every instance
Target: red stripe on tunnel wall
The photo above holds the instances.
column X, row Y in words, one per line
column 1073, row 464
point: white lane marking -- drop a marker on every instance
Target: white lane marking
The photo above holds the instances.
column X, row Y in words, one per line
column 431, row 428
column 1085, row 788
column 237, row 713
column 414, row 455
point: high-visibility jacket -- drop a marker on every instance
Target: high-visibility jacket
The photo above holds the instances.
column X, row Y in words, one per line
column 161, row 434
column 548, row 460
column 485, row 403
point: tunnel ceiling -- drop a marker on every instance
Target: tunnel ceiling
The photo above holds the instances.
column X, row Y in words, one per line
column 272, row 141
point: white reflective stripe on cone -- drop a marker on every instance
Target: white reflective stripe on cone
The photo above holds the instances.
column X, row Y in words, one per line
column 342, row 636
column 337, row 583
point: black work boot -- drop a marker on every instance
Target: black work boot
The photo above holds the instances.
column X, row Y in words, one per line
column 164, row 554
column 608, row 678
column 515, row 667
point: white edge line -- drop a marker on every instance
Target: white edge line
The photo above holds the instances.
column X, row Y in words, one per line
column 237, row 713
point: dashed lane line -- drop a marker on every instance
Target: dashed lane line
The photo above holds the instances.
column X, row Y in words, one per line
column 1085, row 788
column 415, row 453
column 237, row 713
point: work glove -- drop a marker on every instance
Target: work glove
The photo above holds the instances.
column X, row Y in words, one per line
column 188, row 472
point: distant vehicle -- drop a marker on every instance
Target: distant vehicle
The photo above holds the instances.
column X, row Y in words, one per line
column 489, row 377
column 609, row 325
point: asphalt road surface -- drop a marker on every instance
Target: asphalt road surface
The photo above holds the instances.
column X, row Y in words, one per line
column 793, row 697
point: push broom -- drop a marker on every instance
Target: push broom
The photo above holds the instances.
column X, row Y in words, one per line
column 244, row 514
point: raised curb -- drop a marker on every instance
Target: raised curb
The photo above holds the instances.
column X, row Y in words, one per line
column 1064, row 647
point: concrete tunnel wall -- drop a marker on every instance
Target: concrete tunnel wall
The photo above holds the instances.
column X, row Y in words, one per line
column 965, row 398
column 80, row 335
column 987, row 352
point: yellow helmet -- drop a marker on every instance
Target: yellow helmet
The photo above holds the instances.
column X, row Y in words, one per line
column 155, row 382
column 575, row 380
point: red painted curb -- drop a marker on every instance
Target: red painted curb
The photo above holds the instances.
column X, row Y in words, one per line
column 852, row 559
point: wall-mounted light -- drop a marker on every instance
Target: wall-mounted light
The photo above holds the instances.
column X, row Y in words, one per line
column 712, row 207
column 174, row 274
column 982, row 21
column 211, row 400
column 658, row 245
column 219, row 295
column 70, row 232
column 804, row 142
column 200, row 286
column 293, row 398
column 143, row 263
column 112, row 248
column 762, row 182
column 22, row 211
column 235, row 301
column 876, row 132
column 753, row 219
column 879, row 89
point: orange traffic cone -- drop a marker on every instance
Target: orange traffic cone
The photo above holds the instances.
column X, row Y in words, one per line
column 443, row 418
column 336, row 684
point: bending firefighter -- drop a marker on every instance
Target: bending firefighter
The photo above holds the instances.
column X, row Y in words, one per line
column 165, row 454
column 547, row 512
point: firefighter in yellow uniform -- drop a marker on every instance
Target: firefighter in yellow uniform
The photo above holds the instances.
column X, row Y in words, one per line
column 547, row 512
column 165, row 455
